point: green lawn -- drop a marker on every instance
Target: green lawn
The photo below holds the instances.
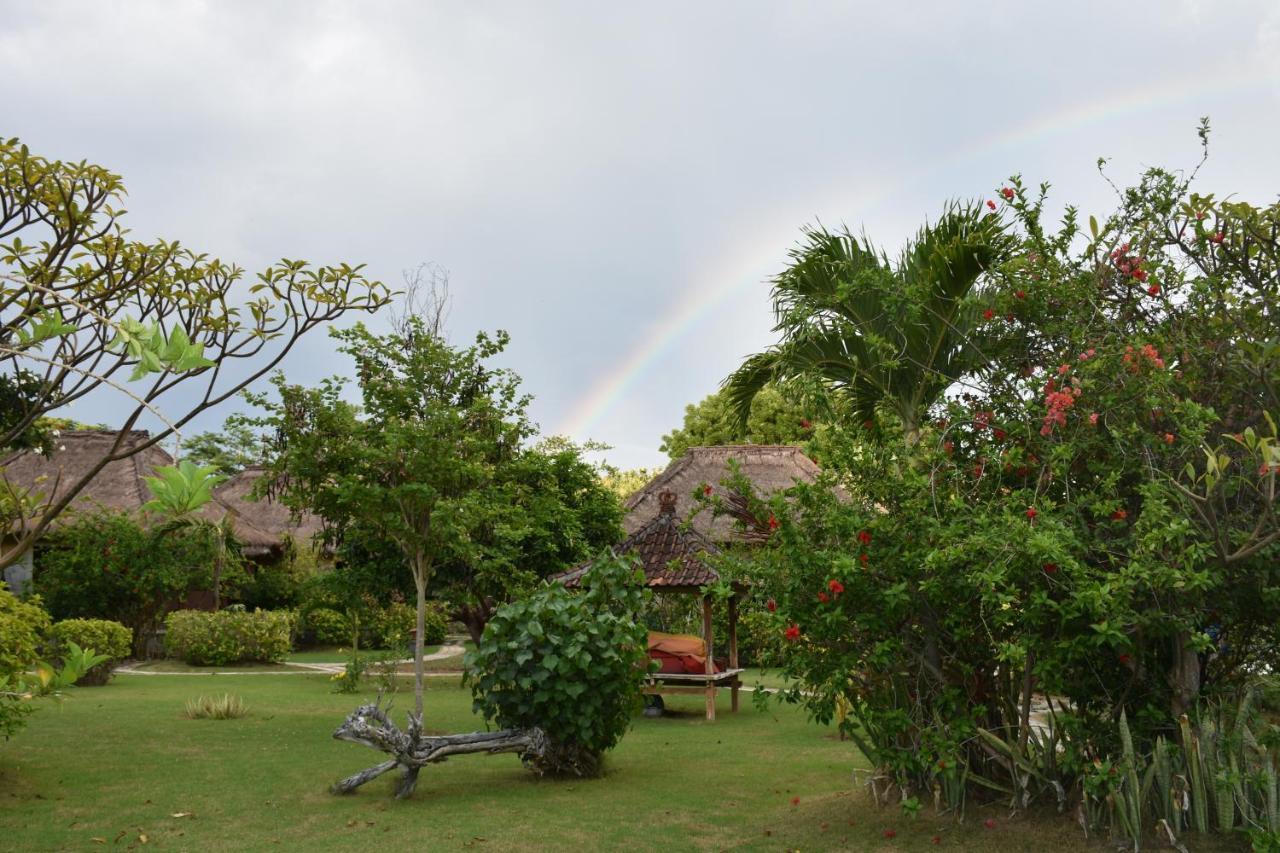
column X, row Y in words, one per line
column 121, row 761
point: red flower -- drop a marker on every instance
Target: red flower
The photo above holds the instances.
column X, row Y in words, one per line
column 1050, row 568
column 795, row 801
column 989, row 823
column 991, row 204
column 999, row 434
column 793, row 633
column 988, row 314
column 804, row 424
column 948, row 446
column 706, row 490
column 1154, row 289
column 1124, row 659
column 822, row 597
column 864, row 537
column 893, row 833
column 1140, row 275
column 868, row 424
column 1217, row 237
column 1031, row 513
column 1007, row 192
column 864, row 557
column 1168, row 438
column 773, row 523
column 937, row 839
column 771, row 606
column 835, row 586
column 1021, row 294
column 1119, row 515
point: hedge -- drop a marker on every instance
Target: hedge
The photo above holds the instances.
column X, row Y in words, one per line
column 102, row 636
column 202, row 638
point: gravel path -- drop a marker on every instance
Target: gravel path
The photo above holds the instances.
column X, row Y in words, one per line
column 300, row 668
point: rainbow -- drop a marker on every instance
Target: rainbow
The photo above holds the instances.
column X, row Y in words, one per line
column 747, row 263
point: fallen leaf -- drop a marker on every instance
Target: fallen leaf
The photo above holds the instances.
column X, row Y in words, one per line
column 142, row 836
column 98, row 840
column 183, row 814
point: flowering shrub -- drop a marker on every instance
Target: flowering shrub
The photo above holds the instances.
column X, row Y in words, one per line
column 203, row 638
column 1092, row 519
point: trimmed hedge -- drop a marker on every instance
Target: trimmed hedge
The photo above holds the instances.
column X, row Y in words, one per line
column 202, row 638
column 102, row 636
column 328, row 627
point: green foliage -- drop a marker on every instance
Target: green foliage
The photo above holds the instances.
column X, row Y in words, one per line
column 569, row 663
column 228, row 706
column 75, row 664
column 773, row 419
column 106, row 566
column 393, row 625
column 178, row 494
column 1089, row 516
column 228, row 452
column 85, row 307
column 110, row 639
column 327, row 627
column 23, row 625
column 218, row 638
column 626, row 482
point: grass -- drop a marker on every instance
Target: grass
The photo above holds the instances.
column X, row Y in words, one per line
column 120, row 762
column 170, row 665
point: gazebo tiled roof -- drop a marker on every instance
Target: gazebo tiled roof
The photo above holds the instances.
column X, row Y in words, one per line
column 669, row 551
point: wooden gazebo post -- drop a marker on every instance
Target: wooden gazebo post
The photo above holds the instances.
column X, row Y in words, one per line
column 709, row 649
column 733, row 649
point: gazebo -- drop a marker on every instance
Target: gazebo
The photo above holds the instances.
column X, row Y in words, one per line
column 671, row 555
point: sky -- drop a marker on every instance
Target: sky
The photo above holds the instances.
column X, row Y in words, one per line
column 614, row 184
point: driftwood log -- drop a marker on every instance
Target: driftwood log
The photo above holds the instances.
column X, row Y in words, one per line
column 371, row 726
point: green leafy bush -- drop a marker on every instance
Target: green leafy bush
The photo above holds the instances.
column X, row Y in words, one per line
column 394, row 624
column 106, row 566
column 99, row 635
column 202, row 638
column 570, row 663
column 328, row 627
column 23, row 625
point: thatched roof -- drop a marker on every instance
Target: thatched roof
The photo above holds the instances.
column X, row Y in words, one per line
column 265, row 521
column 118, row 486
column 260, row 525
column 670, row 553
column 770, row 468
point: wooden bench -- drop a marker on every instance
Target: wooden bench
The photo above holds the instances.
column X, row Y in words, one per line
column 694, row 683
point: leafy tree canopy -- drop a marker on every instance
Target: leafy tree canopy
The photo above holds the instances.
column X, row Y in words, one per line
column 774, row 419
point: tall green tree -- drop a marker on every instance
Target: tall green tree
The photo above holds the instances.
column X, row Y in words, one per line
column 229, row 450
column 84, row 308
column 418, row 462
column 866, row 332
column 773, row 419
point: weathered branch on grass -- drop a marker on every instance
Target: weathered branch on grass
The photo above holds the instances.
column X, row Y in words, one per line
column 371, row 726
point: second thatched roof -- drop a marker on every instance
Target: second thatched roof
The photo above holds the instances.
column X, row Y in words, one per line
column 770, row 468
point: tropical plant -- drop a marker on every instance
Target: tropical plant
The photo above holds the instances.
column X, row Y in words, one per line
column 83, row 307
column 859, row 331
column 178, row 494
column 568, row 663
column 111, row 639
column 228, row 706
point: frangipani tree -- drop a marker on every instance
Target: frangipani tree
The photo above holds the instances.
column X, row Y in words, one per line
column 84, row 307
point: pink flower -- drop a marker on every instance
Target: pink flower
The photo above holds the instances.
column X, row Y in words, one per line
column 1093, row 418
column 1217, row 237
column 1168, row 438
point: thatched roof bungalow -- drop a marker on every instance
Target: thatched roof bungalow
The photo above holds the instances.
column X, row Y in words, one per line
column 771, row 468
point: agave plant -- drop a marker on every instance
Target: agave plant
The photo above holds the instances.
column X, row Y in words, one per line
column 871, row 332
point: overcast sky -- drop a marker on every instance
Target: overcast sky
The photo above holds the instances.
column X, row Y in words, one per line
column 614, row 183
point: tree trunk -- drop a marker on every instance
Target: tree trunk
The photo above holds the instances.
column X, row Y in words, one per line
column 420, row 584
column 1184, row 675
column 219, row 555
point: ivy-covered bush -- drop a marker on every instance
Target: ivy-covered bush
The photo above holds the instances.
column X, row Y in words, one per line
column 23, row 625
column 569, row 662
column 203, row 638
column 102, row 636
column 107, row 566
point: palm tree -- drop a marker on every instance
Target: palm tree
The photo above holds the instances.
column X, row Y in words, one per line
column 873, row 333
column 177, row 495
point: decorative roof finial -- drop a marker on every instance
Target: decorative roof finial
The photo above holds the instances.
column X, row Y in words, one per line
column 667, row 503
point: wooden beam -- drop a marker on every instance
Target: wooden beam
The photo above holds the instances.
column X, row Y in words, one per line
column 708, row 648
column 733, row 651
